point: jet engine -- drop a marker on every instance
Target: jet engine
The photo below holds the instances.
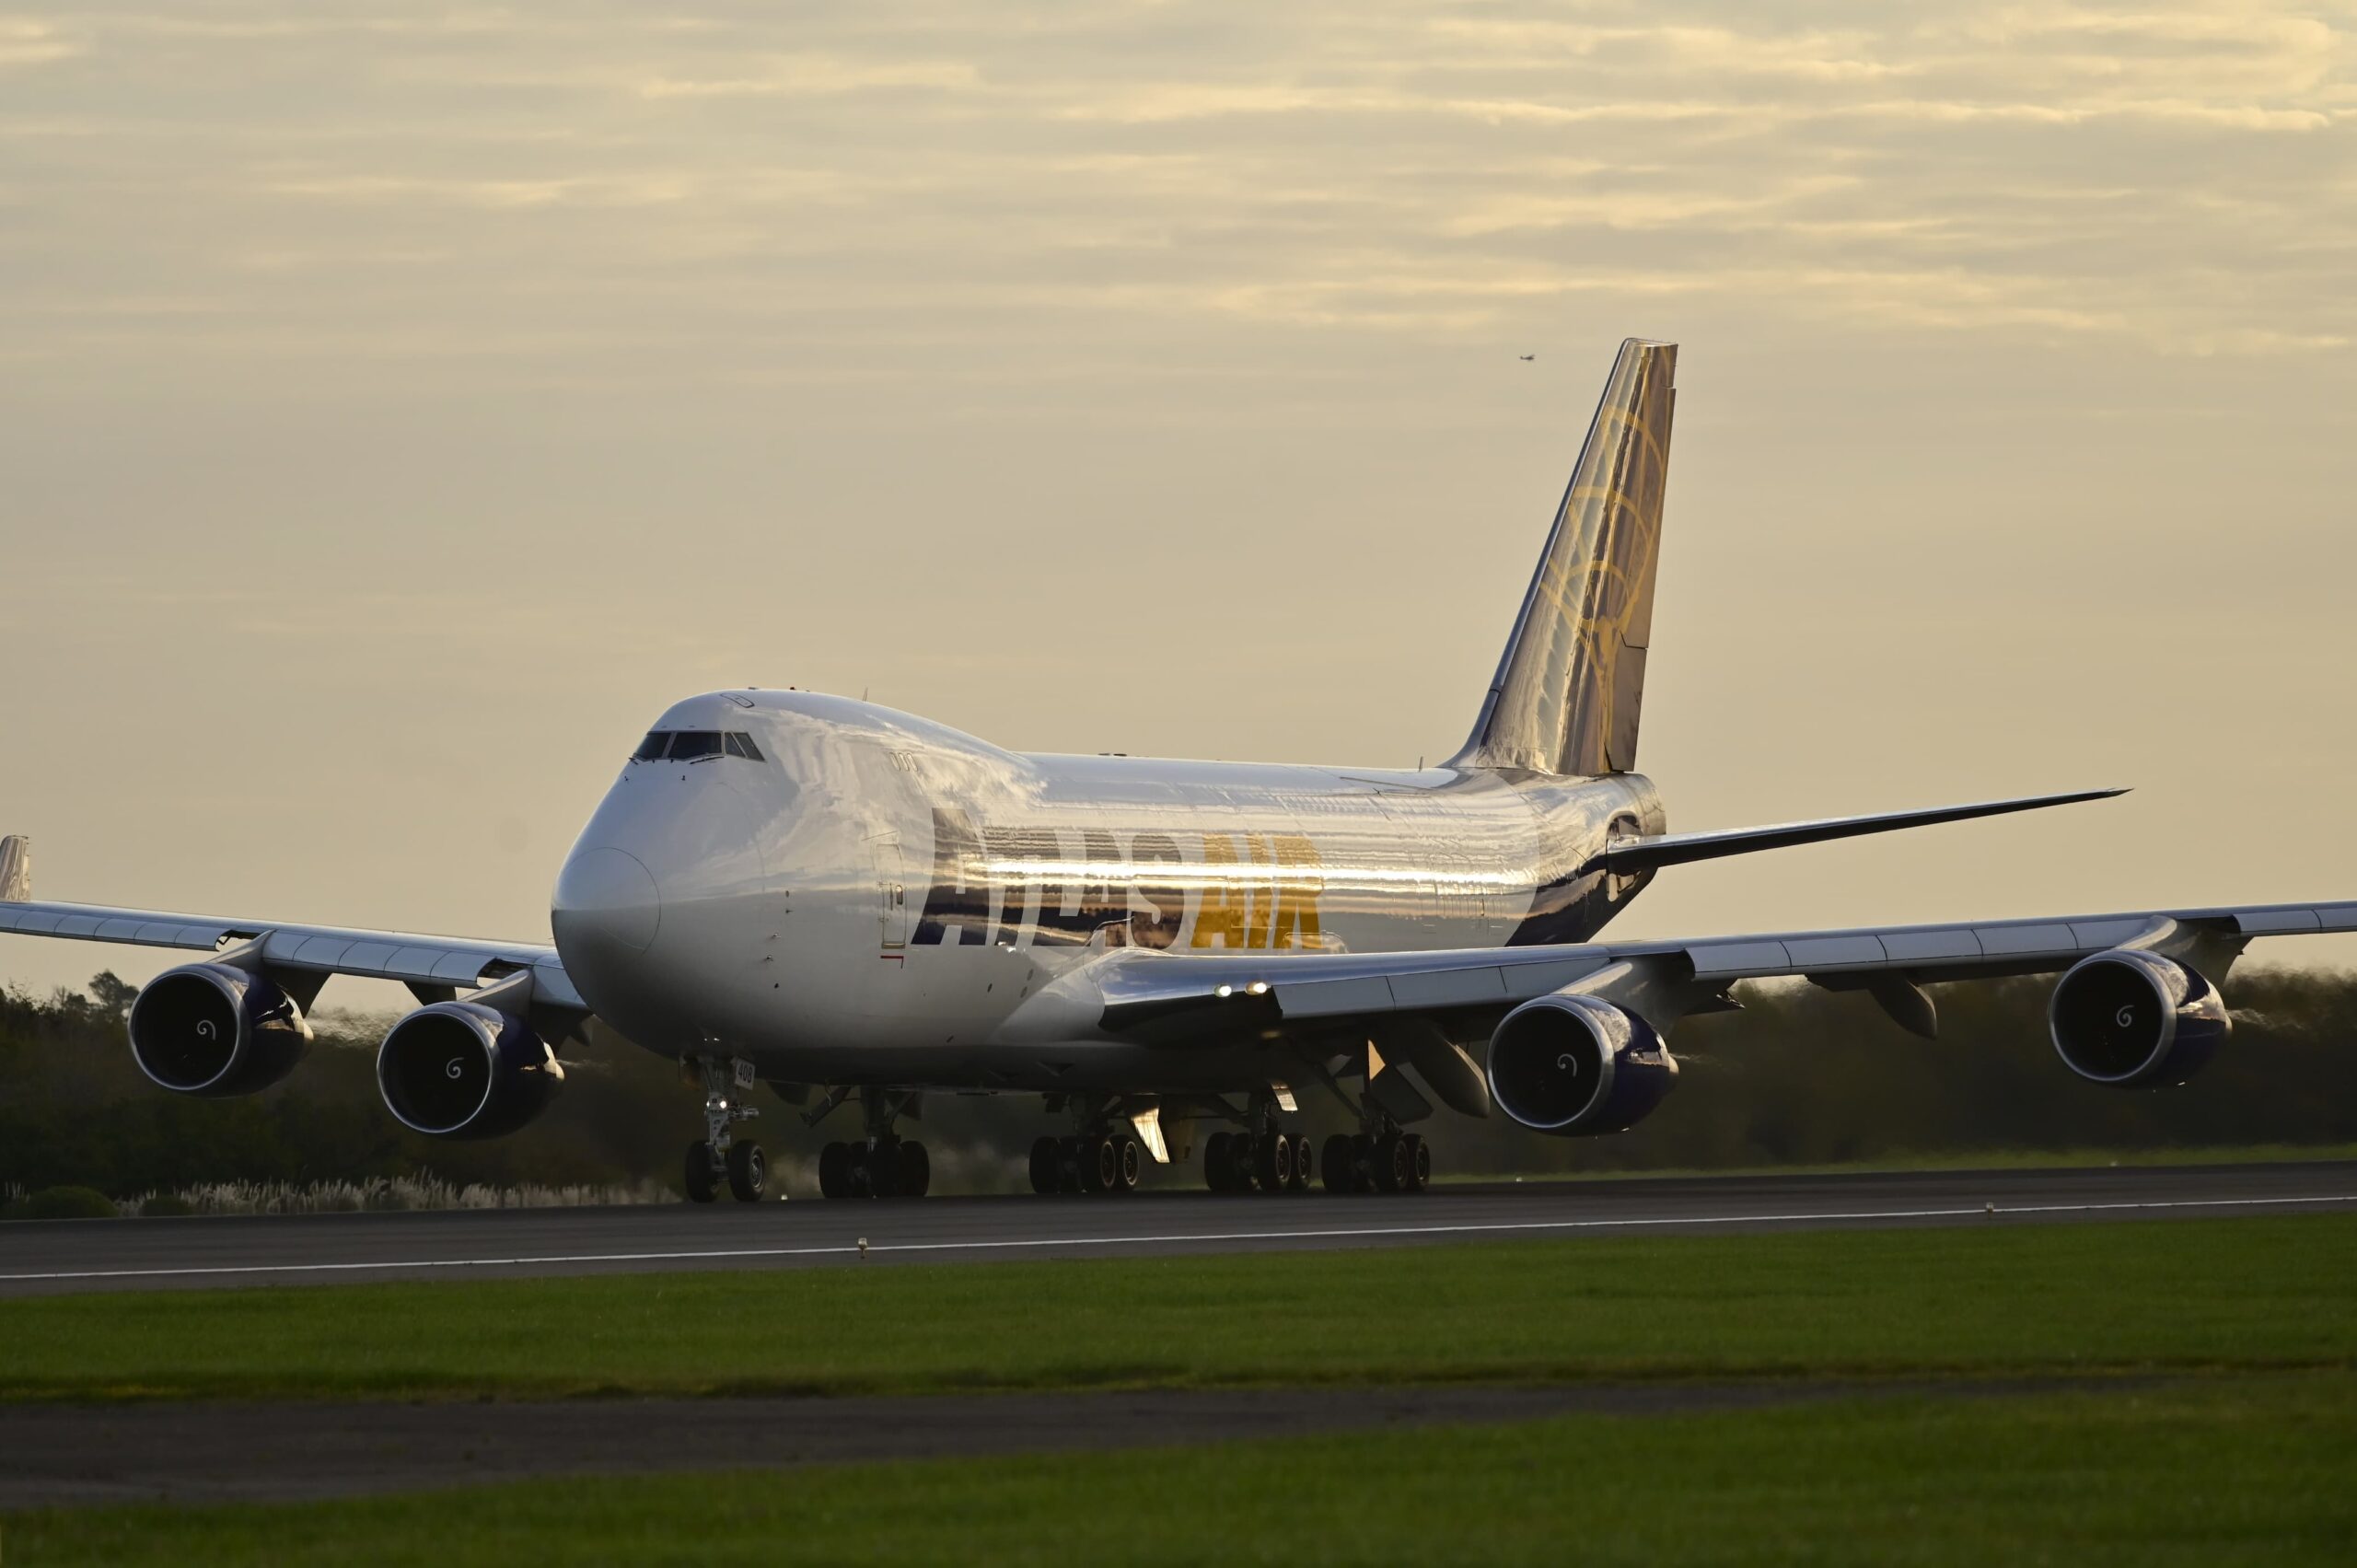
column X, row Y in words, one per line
column 462, row 1070
column 214, row 1029
column 1574, row 1065
column 2130, row 1019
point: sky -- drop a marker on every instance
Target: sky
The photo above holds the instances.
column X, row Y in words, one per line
column 398, row 407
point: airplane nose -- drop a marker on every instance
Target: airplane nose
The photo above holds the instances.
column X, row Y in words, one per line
column 606, row 896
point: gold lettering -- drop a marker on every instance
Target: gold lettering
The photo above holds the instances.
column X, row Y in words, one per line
column 1298, row 890
column 1262, row 894
column 1221, row 921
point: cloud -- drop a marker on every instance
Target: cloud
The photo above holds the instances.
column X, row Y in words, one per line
column 24, row 42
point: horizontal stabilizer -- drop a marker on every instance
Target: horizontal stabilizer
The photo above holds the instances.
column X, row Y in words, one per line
column 1627, row 856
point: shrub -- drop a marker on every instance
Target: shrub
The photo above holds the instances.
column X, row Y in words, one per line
column 70, row 1203
column 164, row 1205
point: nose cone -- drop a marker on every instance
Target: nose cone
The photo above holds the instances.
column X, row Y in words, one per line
column 605, row 899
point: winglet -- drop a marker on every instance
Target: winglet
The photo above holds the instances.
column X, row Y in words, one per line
column 16, row 869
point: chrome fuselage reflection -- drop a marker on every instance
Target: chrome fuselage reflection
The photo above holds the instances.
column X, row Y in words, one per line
column 845, row 894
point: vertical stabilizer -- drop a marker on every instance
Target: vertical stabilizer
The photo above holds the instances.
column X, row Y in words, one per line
column 16, row 869
column 1567, row 693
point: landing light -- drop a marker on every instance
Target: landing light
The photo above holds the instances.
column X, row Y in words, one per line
column 1258, row 988
column 1223, row 990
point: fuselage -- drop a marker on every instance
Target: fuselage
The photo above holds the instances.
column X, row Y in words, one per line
column 845, row 894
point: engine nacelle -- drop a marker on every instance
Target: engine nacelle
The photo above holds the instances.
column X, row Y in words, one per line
column 2129, row 1018
column 462, row 1070
column 1573, row 1065
column 214, row 1029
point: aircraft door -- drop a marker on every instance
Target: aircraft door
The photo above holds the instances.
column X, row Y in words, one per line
column 891, row 895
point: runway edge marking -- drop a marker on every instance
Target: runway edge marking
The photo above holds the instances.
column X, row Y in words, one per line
column 1339, row 1233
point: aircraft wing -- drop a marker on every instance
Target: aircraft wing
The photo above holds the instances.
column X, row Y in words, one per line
column 430, row 965
column 1173, row 997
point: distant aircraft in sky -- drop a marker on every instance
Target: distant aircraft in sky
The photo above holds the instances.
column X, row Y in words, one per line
column 854, row 905
column 1529, row 356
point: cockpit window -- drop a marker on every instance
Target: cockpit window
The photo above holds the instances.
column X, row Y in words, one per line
column 692, row 745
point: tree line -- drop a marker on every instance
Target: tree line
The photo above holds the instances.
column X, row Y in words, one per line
column 1799, row 1075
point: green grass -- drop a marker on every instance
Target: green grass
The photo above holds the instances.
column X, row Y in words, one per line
column 2170, row 1296
column 2239, row 1471
column 1952, row 1159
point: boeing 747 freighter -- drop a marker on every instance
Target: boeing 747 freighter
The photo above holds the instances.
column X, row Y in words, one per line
column 858, row 907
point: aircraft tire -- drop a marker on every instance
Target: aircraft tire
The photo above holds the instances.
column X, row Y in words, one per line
column 1301, row 1165
column 1129, row 1164
column 702, row 1174
column 1419, row 1163
column 1046, row 1168
column 1216, row 1160
column 749, row 1172
column 1391, row 1164
column 1272, row 1162
column 834, row 1171
column 1363, row 1155
column 1340, row 1173
column 1100, row 1165
column 916, row 1171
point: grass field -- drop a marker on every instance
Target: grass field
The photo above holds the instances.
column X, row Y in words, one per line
column 2243, row 1470
column 2211, row 1417
column 1957, row 1159
column 2178, row 1295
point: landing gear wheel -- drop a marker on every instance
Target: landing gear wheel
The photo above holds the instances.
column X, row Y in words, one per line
column 1300, row 1182
column 1364, row 1149
column 1216, row 1160
column 1129, row 1164
column 1342, row 1172
column 1236, row 1175
column 749, row 1172
column 1395, row 1164
column 702, row 1174
column 1047, row 1168
column 1420, row 1164
column 834, row 1171
column 916, row 1171
column 1272, row 1162
column 1100, row 1166
column 1070, row 1153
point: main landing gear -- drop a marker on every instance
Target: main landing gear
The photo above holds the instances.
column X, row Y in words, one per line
column 1267, row 1161
column 1383, row 1161
column 882, row 1164
column 1088, row 1162
column 720, row 1157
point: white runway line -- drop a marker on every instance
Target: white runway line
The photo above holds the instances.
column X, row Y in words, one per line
column 1342, row 1233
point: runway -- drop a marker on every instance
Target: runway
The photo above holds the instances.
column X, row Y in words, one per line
column 64, row 1256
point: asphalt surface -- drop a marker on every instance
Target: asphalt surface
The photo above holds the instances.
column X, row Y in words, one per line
column 60, row 1256
column 82, row 1455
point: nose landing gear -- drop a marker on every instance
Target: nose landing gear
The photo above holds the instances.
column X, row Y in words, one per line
column 719, row 1157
